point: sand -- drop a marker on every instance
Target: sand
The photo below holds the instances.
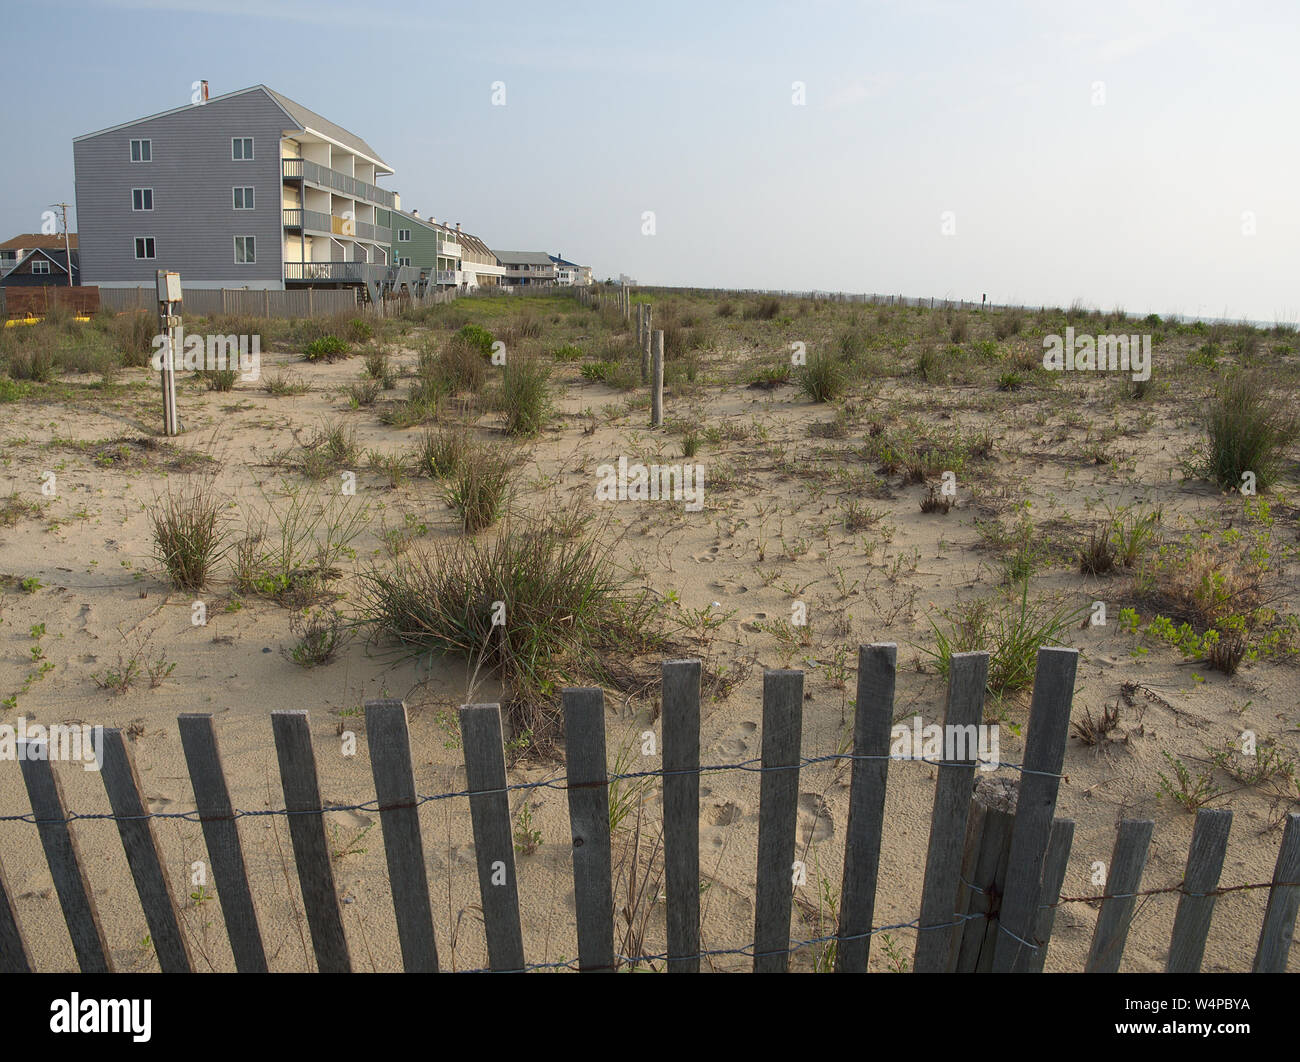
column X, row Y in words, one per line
column 772, row 531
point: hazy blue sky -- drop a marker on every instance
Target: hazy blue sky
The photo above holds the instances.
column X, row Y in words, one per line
column 988, row 110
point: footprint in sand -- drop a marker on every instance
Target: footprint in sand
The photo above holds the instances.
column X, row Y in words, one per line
column 751, row 623
column 815, row 822
column 723, row 814
column 738, row 746
column 707, row 558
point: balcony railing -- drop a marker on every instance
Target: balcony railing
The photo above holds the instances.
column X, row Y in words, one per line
column 324, row 177
column 338, row 272
column 450, row 276
column 333, row 225
column 449, row 248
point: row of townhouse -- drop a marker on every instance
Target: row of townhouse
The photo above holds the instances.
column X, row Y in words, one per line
column 252, row 190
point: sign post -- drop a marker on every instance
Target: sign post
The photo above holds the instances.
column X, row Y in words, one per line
column 170, row 328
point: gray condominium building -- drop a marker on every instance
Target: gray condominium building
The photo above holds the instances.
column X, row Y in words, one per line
column 245, row 190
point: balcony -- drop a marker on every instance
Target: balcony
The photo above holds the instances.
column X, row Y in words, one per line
column 333, row 225
column 450, row 276
column 333, row 180
column 449, row 248
column 334, row 272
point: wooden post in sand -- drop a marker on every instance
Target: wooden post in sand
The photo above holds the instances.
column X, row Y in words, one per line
column 657, row 383
column 646, row 339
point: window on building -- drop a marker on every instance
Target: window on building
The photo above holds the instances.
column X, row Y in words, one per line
column 141, row 198
column 144, row 247
column 403, row 235
column 141, row 150
column 40, row 265
column 243, row 198
column 241, row 148
column 403, row 261
column 245, row 250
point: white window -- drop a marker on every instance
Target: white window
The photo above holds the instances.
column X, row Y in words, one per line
column 141, row 150
column 141, row 198
column 403, row 235
column 245, row 250
column 403, row 261
column 40, row 265
column 243, row 198
column 241, row 148
column 144, row 247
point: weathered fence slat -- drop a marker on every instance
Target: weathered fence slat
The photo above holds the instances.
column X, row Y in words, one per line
column 389, row 740
column 1204, row 865
column 874, row 715
column 220, row 834
column 967, row 674
column 1283, row 902
column 14, row 957
column 1054, row 864
column 1126, row 864
column 1049, row 722
column 46, row 796
column 778, row 806
column 489, row 808
column 588, row 786
column 122, row 783
column 984, row 870
column 681, row 759
column 307, row 832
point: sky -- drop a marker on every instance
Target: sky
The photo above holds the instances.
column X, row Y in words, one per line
column 1139, row 155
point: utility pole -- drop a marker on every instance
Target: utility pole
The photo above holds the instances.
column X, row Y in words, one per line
column 67, row 243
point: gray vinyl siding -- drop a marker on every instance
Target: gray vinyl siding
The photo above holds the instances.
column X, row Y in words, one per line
column 193, row 220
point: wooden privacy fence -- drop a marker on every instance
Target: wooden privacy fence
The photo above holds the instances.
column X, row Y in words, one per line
column 992, row 879
column 208, row 302
column 16, row 302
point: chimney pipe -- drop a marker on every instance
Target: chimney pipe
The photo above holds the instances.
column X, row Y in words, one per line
column 205, row 92
column 458, row 226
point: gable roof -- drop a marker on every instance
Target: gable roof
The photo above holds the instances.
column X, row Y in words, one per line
column 27, row 240
column 56, row 258
column 524, row 257
column 310, row 121
column 303, row 120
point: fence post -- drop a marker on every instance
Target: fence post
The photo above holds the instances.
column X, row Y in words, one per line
column 1204, row 865
column 135, row 827
column 588, row 786
column 217, row 816
column 681, row 760
column 1126, row 863
column 967, row 675
column 489, row 809
column 777, row 817
column 311, row 853
column 657, row 383
column 872, row 720
column 1283, row 900
column 1049, row 723
column 14, row 957
column 389, row 740
column 75, row 898
column 983, row 873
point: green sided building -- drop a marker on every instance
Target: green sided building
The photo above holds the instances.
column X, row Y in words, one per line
column 424, row 244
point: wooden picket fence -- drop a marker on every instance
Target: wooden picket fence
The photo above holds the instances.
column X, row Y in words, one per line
column 992, row 876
